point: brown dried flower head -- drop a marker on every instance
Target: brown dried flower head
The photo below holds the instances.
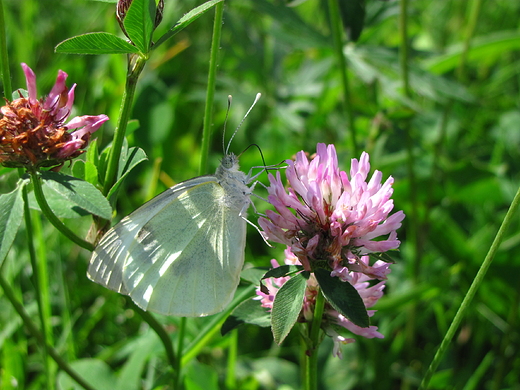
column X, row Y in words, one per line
column 32, row 131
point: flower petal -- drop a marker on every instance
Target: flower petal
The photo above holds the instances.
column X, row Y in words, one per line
column 30, row 78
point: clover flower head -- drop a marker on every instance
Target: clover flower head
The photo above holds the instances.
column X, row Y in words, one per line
column 325, row 216
column 332, row 321
column 32, row 130
column 332, row 221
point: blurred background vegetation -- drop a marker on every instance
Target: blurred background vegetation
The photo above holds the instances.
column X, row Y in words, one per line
column 451, row 140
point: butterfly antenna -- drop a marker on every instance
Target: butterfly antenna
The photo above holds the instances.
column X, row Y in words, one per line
column 229, row 100
column 245, row 116
column 260, row 150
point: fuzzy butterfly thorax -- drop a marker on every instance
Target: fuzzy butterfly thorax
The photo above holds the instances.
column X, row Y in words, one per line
column 234, row 182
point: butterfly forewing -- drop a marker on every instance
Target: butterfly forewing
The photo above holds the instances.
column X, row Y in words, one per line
column 109, row 257
column 190, row 268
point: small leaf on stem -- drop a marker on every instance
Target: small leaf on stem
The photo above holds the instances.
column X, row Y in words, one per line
column 343, row 297
column 287, row 306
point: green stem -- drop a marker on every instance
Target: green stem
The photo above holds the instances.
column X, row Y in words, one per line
column 212, row 328
column 231, row 376
column 472, row 290
column 210, row 92
column 316, row 320
column 436, row 172
column 38, row 335
column 135, row 67
column 165, row 339
column 41, row 272
column 46, row 210
column 337, row 35
column 413, row 228
column 409, row 141
column 37, row 275
column 4, row 57
column 309, row 380
column 508, row 339
column 474, row 13
column 161, row 332
column 68, row 337
column 404, row 51
column 180, row 346
column 206, row 138
column 311, row 355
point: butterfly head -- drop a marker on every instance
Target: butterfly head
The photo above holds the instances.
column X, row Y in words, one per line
column 228, row 163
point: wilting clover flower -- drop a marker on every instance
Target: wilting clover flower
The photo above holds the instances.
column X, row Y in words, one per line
column 326, row 217
column 332, row 320
column 332, row 222
column 32, row 130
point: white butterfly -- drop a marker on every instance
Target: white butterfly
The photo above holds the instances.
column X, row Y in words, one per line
column 181, row 253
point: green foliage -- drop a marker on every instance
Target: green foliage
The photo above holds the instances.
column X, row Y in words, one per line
column 287, row 306
column 139, row 23
column 343, row 297
column 353, row 17
column 462, row 116
column 248, row 312
column 201, row 377
column 188, row 18
column 281, row 271
column 97, row 370
column 70, row 197
column 96, row 43
column 11, row 213
column 127, row 162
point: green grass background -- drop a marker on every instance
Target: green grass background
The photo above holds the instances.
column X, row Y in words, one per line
column 461, row 123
